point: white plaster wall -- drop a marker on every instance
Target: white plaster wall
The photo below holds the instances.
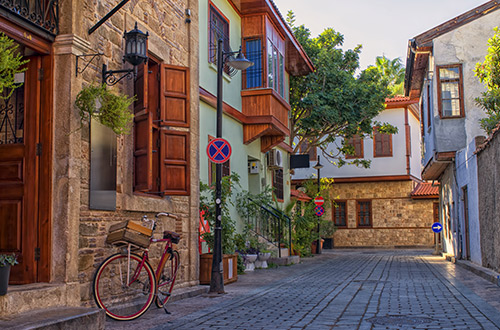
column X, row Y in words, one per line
column 466, row 171
column 428, row 144
column 415, row 138
column 447, row 197
column 380, row 166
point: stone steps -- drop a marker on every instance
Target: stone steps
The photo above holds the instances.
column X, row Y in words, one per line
column 60, row 318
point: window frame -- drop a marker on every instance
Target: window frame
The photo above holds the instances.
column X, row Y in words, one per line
column 275, row 72
column 375, row 134
column 460, row 89
column 212, row 45
column 362, row 148
column 258, row 64
column 358, row 204
column 334, row 218
column 276, row 190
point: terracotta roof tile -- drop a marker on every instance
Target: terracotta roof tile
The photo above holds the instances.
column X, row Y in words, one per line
column 397, row 98
column 425, row 190
column 299, row 195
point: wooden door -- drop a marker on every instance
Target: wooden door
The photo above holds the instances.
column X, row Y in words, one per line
column 466, row 220
column 19, row 168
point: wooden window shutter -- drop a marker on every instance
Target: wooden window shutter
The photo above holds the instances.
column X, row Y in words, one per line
column 174, row 101
column 174, row 166
column 143, row 134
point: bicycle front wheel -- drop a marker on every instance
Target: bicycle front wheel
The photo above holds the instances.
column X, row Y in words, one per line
column 166, row 279
column 124, row 288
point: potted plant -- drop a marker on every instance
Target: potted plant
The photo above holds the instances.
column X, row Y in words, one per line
column 106, row 107
column 11, row 63
column 262, row 259
column 207, row 204
column 6, row 261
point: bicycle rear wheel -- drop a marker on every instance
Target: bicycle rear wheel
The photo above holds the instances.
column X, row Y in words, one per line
column 124, row 295
column 166, row 279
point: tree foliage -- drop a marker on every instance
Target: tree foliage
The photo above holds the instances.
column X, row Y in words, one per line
column 333, row 101
column 393, row 72
column 488, row 73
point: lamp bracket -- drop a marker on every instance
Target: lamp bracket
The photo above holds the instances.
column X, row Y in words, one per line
column 109, row 76
column 78, row 70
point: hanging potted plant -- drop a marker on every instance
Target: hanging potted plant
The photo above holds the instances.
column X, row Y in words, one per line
column 11, row 63
column 106, row 107
column 6, row 261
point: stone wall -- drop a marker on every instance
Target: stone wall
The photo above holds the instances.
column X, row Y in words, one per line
column 78, row 232
column 397, row 219
column 489, row 201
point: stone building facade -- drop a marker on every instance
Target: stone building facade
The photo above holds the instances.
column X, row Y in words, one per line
column 489, row 213
column 73, row 229
column 399, row 218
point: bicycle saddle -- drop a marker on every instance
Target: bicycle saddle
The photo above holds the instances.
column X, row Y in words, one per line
column 167, row 234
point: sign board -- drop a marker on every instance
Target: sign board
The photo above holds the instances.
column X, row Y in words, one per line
column 319, row 200
column 219, row 151
column 299, row 161
column 437, row 227
column 319, row 210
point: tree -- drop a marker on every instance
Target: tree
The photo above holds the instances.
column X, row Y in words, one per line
column 393, row 71
column 488, row 73
column 332, row 101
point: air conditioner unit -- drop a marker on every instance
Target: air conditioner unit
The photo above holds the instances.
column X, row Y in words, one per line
column 275, row 159
column 254, row 167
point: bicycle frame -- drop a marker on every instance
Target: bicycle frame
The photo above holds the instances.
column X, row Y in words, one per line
column 167, row 251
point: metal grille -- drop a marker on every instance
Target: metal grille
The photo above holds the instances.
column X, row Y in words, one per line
column 42, row 13
column 12, row 117
column 364, row 217
column 340, row 214
column 219, row 29
column 253, row 75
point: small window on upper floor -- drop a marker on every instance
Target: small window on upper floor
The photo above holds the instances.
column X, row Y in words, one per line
column 357, row 142
column 253, row 75
column 382, row 144
column 219, row 29
column 275, row 69
column 450, row 91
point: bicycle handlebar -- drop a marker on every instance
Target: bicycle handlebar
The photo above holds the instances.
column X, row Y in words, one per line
column 167, row 215
column 153, row 221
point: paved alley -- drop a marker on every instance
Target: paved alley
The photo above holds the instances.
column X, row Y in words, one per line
column 342, row 289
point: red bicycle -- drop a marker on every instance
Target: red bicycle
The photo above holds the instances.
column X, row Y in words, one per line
column 125, row 284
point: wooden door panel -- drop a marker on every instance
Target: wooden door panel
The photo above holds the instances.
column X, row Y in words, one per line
column 19, row 176
column 174, row 101
column 10, row 226
column 174, row 155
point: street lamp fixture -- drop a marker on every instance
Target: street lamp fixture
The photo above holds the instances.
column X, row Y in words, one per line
column 136, row 52
column 239, row 63
column 318, row 167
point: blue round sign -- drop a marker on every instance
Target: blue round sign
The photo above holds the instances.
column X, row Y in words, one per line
column 437, row 227
column 319, row 210
column 219, row 151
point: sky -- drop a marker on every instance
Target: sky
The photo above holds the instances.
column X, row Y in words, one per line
column 383, row 27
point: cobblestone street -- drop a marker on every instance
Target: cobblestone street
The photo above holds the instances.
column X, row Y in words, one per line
column 342, row 289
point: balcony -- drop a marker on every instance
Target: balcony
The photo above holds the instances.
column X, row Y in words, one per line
column 267, row 117
column 42, row 14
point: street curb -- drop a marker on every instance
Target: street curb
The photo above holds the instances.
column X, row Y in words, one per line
column 188, row 292
column 486, row 273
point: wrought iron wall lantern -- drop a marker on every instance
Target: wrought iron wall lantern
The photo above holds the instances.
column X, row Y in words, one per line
column 136, row 52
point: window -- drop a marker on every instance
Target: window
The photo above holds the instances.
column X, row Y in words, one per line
column 254, row 73
column 382, row 144
column 429, row 112
column 339, row 214
column 226, row 168
column 450, row 91
column 364, row 213
column 357, row 142
column 161, row 130
column 275, row 69
column 219, row 29
column 278, row 184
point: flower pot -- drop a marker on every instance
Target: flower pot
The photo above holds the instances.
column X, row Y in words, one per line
column 262, row 259
column 229, row 265
column 4, row 279
column 313, row 246
column 249, row 261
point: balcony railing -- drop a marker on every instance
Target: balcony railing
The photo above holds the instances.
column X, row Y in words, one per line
column 41, row 13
